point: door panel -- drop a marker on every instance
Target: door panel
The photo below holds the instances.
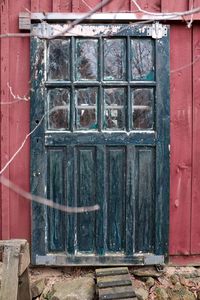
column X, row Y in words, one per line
column 115, row 177
column 86, row 195
column 121, row 179
column 101, row 105
column 56, row 191
column 145, row 181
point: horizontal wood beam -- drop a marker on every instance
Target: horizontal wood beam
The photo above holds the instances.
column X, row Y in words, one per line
column 25, row 19
column 107, row 17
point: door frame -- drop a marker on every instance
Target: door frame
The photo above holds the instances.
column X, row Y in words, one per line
column 39, row 160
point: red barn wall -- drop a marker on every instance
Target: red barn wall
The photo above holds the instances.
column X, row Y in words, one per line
column 15, row 214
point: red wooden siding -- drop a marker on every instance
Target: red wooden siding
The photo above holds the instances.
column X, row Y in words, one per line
column 195, row 224
column 152, row 5
column 15, row 124
column 5, row 151
column 83, row 6
column 118, row 5
column 196, row 3
column 181, row 139
column 185, row 115
column 19, row 124
column 61, row 6
column 171, row 6
column 44, row 5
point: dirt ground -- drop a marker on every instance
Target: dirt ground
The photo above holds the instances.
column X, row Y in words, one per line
column 149, row 282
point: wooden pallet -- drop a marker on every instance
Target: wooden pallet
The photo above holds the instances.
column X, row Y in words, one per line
column 114, row 283
column 15, row 276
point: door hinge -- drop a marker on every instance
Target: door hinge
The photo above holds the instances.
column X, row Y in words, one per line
column 157, row 30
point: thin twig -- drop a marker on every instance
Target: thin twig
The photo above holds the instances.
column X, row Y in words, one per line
column 16, row 35
column 189, row 24
column 9, row 103
column 170, row 14
column 88, row 6
column 17, row 97
column 197, row 58
column 44, row 201
column 20, row 148
column 163, row 16
column 28, row 135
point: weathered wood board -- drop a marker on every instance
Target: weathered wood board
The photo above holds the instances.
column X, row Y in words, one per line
column 15, row 276
column 114, row 283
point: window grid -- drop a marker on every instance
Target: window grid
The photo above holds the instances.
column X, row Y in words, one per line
column 73, row 85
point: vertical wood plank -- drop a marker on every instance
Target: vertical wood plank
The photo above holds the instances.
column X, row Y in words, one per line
column 171, row 6
column 195, row 224
column 195, row 4
column 38, row 153
column 56, row 224
column 148, row 5
column 86, row 196
column 116, row 157
column 35, row 5
column 62, row 5
column 130, row 199
column 162, row 146
column 5, row 120
column 145, row 204
column 181, row 140
column 41, row 6
column 101, row 222
column 117, row 6
column 9, row 284
column 0, row 125
column 19, row 75
column 71, row 198
column 84, row 5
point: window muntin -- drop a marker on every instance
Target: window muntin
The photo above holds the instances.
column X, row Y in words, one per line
column 107, row 83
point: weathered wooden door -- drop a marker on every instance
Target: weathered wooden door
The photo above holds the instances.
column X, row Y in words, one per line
column 100, row 102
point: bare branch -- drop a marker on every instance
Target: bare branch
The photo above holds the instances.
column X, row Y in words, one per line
column 61, row 107
column 20, row 148
column 50, row 203
column 80, row 20
column 86, row 4
column 167, row 15
column 162, row 16
column 76, row 22
column 15, row 35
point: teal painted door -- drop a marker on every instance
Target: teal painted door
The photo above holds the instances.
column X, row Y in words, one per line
column 100, row 105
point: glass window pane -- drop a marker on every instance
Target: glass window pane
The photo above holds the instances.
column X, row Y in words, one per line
column 59, row 58
column 142, row 64
column 86, row 59
column 86, row 108
column 114, row 115
column 142, row 101
column 114, row 59
column 58, row 114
